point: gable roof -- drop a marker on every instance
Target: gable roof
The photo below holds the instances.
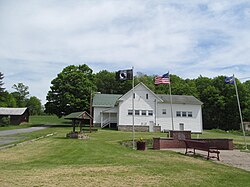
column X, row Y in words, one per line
column 110, row 100
column 180, row 99
column 12, row 111
column 105, row 100
column 145, row 88
column 78, row 115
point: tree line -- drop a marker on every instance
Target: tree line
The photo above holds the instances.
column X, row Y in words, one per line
column 72, row 88
column 19, row 98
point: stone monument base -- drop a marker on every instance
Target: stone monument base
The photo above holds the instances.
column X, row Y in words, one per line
column 77, row 135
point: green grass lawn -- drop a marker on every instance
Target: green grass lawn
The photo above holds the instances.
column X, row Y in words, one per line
column 102, row 161
column 38, row 121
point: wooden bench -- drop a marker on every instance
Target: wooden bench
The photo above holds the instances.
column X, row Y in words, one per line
column 203, row 146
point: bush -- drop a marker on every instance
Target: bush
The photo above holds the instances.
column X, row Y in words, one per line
column 4, row 121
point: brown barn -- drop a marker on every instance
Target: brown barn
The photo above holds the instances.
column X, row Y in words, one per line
column 16, row 115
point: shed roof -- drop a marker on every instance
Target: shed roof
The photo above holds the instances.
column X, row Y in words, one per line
column 105, row 100
column 78, row 115
column 12, row 111
column 180, row 99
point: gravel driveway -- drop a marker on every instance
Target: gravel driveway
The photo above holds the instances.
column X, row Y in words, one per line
column 5, row 137
column 235, row 158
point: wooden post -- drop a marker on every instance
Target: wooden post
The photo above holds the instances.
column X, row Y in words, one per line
column 90, row 110
column 74, row 125
column 81, row 126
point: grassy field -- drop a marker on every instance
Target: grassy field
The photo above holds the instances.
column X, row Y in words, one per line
column 102, row 161
column 38, row 121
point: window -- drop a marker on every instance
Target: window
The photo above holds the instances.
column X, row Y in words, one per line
column 130, row 112
column 184, row 114
column 178, row 113
column 164, row 111
column 150, row 112
column 143, row 112
column 190, row 114
column 146, row 96
column 137, row 112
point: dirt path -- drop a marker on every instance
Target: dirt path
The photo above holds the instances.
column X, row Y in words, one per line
column 235, row 158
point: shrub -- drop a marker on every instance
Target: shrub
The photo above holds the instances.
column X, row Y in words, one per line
column 4, row 121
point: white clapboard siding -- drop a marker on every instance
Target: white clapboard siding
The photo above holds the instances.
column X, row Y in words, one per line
column 145, row 99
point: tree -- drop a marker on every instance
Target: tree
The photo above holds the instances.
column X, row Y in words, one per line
column 246, row 100
column 7, row 100
column 145, row 79
column 34, row 105
column 220, row 109
column 201, row 84
column 70, row 91
column 179, row 86
column 213, row 107
column 21, row 94
column 106, row 83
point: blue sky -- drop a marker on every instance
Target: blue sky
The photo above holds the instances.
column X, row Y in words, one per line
column 38, row 38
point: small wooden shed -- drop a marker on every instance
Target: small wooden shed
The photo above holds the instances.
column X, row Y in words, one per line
column 80, row 118
column 16, row 115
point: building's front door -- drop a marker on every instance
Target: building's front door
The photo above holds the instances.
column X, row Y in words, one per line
column 181, row 126
column 151, row 126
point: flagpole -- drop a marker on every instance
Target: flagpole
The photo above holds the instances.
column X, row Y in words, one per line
column 171, row 102
column 133, row 108
column 238, row 100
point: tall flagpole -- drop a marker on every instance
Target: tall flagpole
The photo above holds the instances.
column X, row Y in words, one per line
column 238, row 100
column 133, row 108
column 171, row 102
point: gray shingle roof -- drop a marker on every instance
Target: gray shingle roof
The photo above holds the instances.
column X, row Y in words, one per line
column 78, row 115
column 12, row 111
column 109, row 100
column 180, row 99
column 106, row 100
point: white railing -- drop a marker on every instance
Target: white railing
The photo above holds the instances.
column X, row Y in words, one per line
column 107, row 122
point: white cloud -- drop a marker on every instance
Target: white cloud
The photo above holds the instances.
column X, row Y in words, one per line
column 189, row 38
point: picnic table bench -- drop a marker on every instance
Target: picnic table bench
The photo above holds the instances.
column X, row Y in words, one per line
column 203, row 146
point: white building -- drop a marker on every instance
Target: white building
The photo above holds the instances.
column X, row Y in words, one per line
column 152, row 111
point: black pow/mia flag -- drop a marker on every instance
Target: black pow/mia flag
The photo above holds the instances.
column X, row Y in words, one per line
column 123, row 75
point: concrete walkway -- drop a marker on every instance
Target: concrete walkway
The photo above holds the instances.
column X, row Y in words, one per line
column 5, row 137
column 235, row 158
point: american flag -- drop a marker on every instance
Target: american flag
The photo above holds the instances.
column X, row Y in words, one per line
column 164, row 79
